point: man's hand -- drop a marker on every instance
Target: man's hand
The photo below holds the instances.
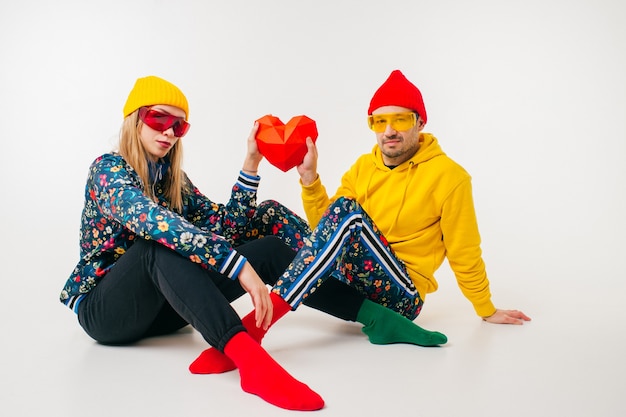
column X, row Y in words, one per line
column 255, row 287
column 308, row 168
column 507, row 317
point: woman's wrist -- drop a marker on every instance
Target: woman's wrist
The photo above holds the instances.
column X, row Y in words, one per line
column 251, row 165
column 250, row 171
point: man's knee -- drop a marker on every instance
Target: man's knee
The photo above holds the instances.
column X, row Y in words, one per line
column 342, row 208
column 346, row 204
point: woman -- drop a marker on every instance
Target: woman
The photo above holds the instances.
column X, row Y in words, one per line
column 157, row 255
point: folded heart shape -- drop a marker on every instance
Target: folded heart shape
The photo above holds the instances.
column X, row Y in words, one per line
column 284, row 145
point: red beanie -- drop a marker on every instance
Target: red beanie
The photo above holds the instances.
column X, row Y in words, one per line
column 398, row 91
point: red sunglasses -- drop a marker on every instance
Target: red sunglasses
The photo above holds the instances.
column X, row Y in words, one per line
column 163, row 121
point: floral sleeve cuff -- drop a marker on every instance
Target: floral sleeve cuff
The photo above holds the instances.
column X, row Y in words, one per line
column 248, row 182
column 233, row 264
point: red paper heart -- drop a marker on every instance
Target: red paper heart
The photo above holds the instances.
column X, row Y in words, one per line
column 284, row 146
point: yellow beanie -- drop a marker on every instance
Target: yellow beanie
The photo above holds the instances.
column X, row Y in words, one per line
column 152, row 90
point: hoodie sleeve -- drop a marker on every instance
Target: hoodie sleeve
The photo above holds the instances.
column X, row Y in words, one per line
column 315, row 198
column 462, row 242
column 315, row 201
column 121, row 200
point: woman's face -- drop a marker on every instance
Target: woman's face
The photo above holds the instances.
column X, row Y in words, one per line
column 157, row 143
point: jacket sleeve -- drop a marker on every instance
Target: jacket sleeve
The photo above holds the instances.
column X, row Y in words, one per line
column 120, row 197
column 462, row 241
column 228, row 220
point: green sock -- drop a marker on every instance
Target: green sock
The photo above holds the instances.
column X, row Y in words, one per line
column 384, row 326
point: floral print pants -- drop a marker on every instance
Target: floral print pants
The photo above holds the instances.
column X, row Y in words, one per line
column 346, row 245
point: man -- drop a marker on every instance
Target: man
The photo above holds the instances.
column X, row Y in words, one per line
column 399, row 211
column 416, row 197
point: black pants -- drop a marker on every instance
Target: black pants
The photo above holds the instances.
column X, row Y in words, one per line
column 152, row 291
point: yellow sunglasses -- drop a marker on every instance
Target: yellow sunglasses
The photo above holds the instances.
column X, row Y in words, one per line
column 398, row 121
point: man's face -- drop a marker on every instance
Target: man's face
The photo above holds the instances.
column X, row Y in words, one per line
column 397, row 146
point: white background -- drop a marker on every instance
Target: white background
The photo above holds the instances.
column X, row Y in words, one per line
column 529, row 96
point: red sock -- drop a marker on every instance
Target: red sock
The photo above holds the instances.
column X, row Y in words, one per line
column 212, row 361
column 263, row 376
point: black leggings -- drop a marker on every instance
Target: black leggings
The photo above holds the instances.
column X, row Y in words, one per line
column 152, row 291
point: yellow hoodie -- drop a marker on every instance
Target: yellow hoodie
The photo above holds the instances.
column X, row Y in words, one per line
column 424, row 208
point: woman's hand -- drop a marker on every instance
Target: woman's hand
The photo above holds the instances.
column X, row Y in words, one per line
column 253, row 156
column 255, row 287
column 507, row 317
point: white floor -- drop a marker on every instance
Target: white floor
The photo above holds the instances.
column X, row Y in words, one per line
column 569, row 361
column 529, row 96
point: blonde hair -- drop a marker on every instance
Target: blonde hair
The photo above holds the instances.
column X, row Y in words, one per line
column 132, row 150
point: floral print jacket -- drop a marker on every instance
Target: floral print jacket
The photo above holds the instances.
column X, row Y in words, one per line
column 117, row 212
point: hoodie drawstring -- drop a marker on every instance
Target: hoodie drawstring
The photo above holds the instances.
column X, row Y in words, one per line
column 404, row 194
